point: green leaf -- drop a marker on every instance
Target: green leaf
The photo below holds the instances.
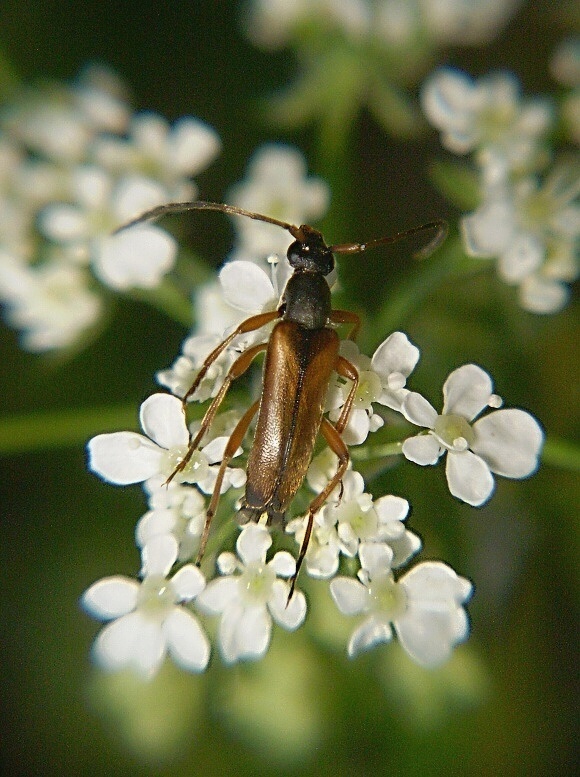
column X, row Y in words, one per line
column 458, row 182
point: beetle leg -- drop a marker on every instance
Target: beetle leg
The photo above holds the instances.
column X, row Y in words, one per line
column 249, row 325
column 338, row 446
column 238, row 368
column 346, row 370
column 347, row 317
column 232, row 446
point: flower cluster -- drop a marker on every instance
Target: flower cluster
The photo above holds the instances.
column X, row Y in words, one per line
column 528, row 216
column 166, row 612
column 76, row 163
column 369, row 52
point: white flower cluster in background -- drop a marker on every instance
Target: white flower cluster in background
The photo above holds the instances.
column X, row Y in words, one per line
column 271, row 24
column 528, row 218
column 75, row 164
column 168, row 610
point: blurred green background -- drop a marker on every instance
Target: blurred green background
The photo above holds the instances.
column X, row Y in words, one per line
column 506, row 704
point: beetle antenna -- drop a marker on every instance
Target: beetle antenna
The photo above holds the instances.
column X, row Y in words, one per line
column 233, row 210
column 423, row 253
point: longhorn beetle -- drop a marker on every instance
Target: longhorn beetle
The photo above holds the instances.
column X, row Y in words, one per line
column 301, row 355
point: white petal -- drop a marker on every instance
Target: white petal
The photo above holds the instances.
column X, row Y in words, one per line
column 404, row 548
column 466, row 391
column 288, row 614
column 131, row 640
column 115, row 644
column 193, row 145
column 253, row 543
column 246, row 286
column 133, row 196
column 540, row 295
column 422, row 449
column 468, row 477
column 188, row 582
column 244, row 633
column 159, row 555
column 523, row 257
column 111, row 597
column 138, row 257
column 395, row 354
column 375, row 557
column 357, row 429
column 186, row 640
column 418, row 410
column 436, row 582
column 509, row 441
column 428, row 637
column 218, row 594
column 369, row 633
column 391, row 508
column 162, row 420
column 154, row 522
column 350, row 596
column 124, row 457
column 283, row 563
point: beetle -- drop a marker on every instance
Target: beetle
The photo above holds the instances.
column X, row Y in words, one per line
column 302, row 352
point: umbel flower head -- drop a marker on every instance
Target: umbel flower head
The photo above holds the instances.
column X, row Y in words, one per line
column 504, row 442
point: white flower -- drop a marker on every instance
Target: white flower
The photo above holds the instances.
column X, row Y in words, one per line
column 381, row 379
column 349, row 518
column 139, row 256
column 276, row 185
column 532, row 228
column 505, row 442
column 424, row 606
column 179, row 512
column 180, row 377
column 168, row 154
column 147, row 618
column 487, row 116
column 127, row 457
column 52, row 302
column 250, row 595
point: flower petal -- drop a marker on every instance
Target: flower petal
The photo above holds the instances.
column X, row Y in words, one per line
column 371, row 631
column 253, row 543
column 423, row 449
column 288, row 614
column 162, row 420
column 350, row 596
column 138, row 257
column 246, row 286
column 123, row 457
column 188, row 582
column 186, row 640
column 395, row 354
column 509, row 441
column 283, row 563
column 244, row 633
column 418, row 410
column 111, row 597
column 468, row 477
column 467, row 391
column 159, row 554
column 218, row 595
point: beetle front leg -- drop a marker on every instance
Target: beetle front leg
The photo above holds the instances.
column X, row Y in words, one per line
column 236, row 370
column 249, row 325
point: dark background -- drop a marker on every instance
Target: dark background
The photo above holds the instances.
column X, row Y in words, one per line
column 506, row 705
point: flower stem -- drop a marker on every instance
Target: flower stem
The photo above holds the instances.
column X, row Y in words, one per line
column 71, row 427
column 562, row 454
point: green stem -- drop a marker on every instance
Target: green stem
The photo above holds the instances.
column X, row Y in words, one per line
column 51, row 429
column 561, row 454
